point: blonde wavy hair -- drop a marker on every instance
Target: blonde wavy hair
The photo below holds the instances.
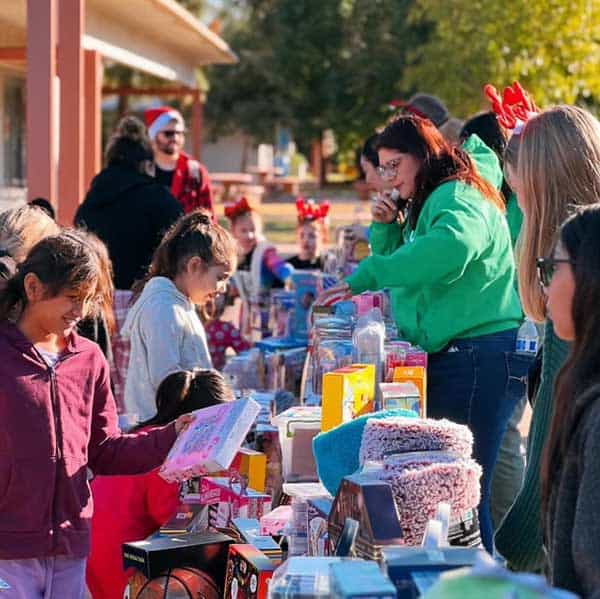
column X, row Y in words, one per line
column 558, row 170
column 21, row 228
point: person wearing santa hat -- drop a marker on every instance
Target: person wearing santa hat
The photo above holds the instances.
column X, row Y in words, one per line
column 184, row 176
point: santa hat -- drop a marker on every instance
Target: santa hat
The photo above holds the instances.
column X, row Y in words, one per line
column 158, row 118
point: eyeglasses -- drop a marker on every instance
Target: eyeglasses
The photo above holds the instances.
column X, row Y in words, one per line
column 170, row 134
column 546, row 268
column 389, row 171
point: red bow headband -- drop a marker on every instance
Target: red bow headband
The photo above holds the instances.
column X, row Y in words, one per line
column 242, row 206
column 309, row 211
column 514, row 108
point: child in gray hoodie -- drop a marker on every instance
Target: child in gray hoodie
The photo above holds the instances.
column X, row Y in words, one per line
column 191, row 266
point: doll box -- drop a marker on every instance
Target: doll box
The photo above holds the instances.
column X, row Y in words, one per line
column 416, row 375
column 211, row 441
column 206, row 551
column 347, row 393
column 249, row 572
column 249, row 532
column 230, row 500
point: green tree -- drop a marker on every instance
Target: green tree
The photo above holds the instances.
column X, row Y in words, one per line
column 551, row 46
column 311, row 65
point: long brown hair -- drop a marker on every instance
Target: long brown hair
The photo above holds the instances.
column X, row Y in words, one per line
column 61, row 262
column 558, row 170
column 194, row 234
column 580, row 237
column 440, row 162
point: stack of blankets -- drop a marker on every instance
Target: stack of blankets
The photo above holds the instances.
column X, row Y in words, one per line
column 425, row 462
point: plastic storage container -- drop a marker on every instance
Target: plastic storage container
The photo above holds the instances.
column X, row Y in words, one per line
column 297, row 428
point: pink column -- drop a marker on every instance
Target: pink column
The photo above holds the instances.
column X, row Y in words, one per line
column 93, row 116
column 70, row 70
column 197, row 124
column 42, row 99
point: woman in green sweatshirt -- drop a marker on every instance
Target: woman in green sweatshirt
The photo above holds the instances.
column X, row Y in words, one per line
column 450, row 270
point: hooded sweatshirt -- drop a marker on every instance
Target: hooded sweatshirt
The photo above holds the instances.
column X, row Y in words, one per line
column 166, row 335
column 56, row 421
column 130, row 212
column 452, row 277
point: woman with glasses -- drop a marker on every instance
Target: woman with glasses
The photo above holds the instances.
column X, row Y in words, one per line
column 558, row 169
column 570, row 467
column 450, row 270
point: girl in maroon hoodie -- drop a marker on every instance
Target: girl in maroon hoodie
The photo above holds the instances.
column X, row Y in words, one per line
column 58, row 419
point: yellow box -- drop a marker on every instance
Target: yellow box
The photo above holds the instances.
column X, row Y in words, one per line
column 416, row 375
column 253, row 464
column 347, row 393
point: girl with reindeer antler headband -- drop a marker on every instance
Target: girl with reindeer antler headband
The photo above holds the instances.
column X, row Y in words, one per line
column 311, row 234
column 260, row 268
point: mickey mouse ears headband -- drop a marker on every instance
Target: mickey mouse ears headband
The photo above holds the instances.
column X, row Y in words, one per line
column 513, row 108
column 242, row 206
column 309, row 210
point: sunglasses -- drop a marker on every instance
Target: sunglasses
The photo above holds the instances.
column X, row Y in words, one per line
column 171, row 134
column 389, row 171
column 546, row 267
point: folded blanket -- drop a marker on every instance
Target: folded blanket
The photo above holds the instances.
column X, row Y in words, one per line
column 337, row 450
column 400, row 435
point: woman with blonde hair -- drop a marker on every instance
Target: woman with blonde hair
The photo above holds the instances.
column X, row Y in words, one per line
column 20, row 229
column 558, row 170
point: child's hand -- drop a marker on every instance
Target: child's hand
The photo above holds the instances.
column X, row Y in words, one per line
column 183, row 422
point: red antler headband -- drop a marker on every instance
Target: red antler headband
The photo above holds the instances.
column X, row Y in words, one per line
column 309, row 211
column 240, row 207
column 514, row 108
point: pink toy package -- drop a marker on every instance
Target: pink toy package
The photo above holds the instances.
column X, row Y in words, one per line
column 211, row 441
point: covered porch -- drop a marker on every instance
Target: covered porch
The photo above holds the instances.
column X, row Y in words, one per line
column 52, row 56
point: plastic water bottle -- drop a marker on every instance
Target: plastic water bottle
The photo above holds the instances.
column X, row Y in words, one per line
column 527, row 338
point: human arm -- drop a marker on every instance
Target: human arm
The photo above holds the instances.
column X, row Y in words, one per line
column 276, row 265
column 455, row 236
column 110, row 451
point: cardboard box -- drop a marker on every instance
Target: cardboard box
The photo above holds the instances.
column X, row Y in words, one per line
column 360, row 580
column 253, row 465
column 249, row 532
column 413, row 570
column 416, row 375
column 249, row 572
column 211, row 441
column 347, row 393
column 188, row 518
column 371, row 503
column 230, row 500
column 206, row 551
column 401, row 396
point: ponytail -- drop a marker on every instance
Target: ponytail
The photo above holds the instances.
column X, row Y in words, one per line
column 194, row 234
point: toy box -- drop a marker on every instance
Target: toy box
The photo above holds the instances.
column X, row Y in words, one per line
column 347, row 393
column 248, row 530
column 211, row 441
column 249, row 572
column 306, row 289
column 401, row 396
column 416, row 375
column 360, row 580
column 253, row 465
column 206, row 551
column 230, row 500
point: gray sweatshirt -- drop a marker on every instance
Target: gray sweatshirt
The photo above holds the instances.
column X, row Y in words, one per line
column 166, row 335
column 573, row 518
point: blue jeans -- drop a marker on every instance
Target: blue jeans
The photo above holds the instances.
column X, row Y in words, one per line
column 478, row 382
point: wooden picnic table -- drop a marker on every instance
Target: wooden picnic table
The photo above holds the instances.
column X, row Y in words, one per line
column 229, row 180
